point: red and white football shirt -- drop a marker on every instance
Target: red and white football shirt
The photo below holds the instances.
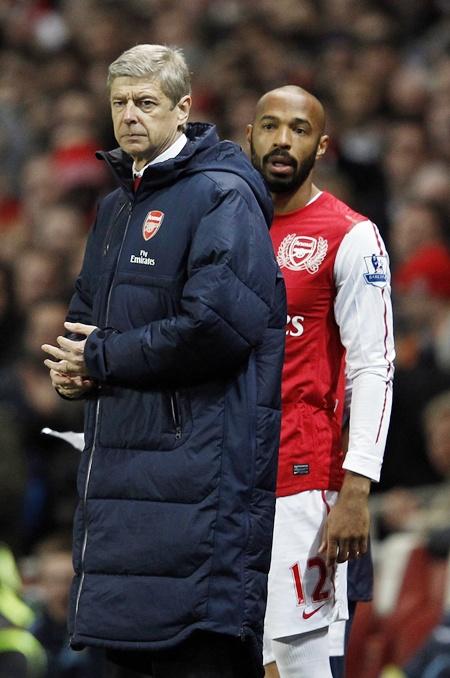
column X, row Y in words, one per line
column 337, row 278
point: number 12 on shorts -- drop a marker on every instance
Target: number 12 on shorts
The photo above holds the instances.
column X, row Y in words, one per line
column 315, row 570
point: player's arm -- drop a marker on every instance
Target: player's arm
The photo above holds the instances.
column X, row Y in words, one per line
column 364, row 315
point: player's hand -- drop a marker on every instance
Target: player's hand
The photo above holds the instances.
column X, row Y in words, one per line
column 70, row 387
column 346, row 530
column 69, row 354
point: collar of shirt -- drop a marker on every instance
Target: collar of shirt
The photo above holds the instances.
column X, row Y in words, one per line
column 314, row 198
column 170, row 152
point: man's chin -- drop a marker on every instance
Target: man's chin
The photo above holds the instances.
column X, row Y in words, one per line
column 280, row 186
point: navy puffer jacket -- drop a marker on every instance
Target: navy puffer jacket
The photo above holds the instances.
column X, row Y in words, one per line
column 174, row 527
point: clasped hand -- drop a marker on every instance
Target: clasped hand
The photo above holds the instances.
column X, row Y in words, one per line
column 68, row 370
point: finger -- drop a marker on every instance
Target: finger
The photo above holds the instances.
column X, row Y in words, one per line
column 343, row 551
column 332, row 552
column 63, row 379
column 70, row 345
column 54, row 351
column 363, row 546
column 61, row 366
column 59, row 377
column 79, row 328
column 354, row 549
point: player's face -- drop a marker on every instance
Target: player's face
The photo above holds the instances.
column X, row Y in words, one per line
column 145, row 120
column 285, row 141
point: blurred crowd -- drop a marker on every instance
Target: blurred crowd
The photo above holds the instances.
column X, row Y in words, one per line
column 382, row 70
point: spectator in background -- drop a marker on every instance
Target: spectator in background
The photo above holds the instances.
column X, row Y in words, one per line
column 31, row 403
column 54, row 572
column 423, row 296
column 433, row 658
column 13, row 480
column 422, row 301
column 9, row 317
column 402, row 508
column 403, row 154
column 38, row 275
column 21, row 655
column 430, row 184
column 61, row 230
column 416, row 224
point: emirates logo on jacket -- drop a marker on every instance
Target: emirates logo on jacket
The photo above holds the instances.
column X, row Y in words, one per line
column 302, row 253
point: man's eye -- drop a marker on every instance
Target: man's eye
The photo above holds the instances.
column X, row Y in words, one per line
column 117, row 104
column 146, row 103
column 268, row 125
column 300, row 130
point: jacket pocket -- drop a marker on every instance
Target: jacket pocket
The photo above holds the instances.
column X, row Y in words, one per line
column 144, row 420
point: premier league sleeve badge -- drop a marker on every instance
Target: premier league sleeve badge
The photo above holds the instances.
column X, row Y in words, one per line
column 376, row 266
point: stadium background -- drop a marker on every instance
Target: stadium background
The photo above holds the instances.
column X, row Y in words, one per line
column 382, row 70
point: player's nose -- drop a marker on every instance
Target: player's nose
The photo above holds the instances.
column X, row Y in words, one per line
column 282, row 138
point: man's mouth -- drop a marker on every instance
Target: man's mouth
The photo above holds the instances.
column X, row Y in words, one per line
column 280, row 164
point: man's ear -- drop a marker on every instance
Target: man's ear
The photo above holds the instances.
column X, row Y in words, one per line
column 323, row 145
column 248, row 133
column 183, row 108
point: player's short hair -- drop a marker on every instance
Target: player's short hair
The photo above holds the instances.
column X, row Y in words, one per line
column 165, row 64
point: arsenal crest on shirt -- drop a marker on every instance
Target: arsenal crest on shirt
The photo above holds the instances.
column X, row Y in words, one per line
column 302, row 253
column 151, row 224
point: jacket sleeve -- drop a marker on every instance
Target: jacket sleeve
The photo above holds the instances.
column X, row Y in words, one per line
column 80, row 308
column 224, row 310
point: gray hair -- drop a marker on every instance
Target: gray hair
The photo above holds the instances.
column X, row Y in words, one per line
column 165, row 64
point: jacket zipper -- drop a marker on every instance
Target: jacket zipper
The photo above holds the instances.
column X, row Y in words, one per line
column 176, row 415
column 86, row 486
column 111, row 228
column 97, row 415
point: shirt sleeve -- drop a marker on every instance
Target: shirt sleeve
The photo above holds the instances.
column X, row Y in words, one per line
column 363, row 313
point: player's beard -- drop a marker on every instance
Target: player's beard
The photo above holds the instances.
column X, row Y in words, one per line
column 284, row 184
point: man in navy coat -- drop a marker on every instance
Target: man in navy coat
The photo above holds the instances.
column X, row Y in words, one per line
column 174, row 337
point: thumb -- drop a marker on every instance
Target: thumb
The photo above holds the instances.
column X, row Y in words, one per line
column 80, row 328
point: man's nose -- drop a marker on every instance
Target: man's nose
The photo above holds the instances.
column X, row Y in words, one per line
column 282, row 138
column 130, row 113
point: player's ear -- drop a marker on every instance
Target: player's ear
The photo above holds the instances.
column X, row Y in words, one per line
column 248, row 133
column 323, row 145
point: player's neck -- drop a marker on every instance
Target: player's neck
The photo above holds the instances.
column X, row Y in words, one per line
column 290, row 202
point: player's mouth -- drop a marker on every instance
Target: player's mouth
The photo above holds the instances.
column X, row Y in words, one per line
column 280, row 164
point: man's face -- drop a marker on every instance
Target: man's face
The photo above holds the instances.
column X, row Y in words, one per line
column 145, row 120
column 285, row 140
